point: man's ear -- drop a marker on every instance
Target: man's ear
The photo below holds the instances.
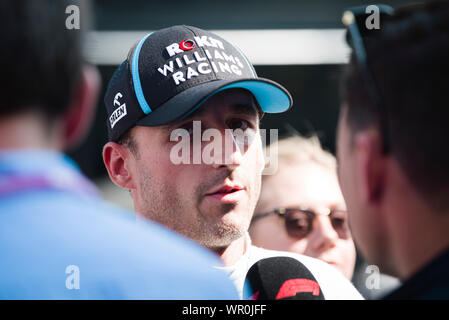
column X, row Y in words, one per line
column 115, row 158
column 370, row 165
column 78, row 118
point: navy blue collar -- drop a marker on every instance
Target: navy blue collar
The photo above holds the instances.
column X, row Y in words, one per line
column 431, row 282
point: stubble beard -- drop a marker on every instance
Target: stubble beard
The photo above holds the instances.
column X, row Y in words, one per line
column 163, row 204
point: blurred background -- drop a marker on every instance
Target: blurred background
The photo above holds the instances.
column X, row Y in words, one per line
column 299, row 44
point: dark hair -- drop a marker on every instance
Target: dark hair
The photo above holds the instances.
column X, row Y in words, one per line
column 409, row 59
column 41, row 58
column 127, row 140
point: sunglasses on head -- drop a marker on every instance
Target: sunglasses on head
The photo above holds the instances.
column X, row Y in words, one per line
column 355, row 19
column 299, row 220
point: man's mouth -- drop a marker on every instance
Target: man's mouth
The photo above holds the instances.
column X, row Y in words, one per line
column 228, row 193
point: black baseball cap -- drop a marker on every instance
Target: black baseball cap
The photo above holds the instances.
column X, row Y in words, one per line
column 172, row 71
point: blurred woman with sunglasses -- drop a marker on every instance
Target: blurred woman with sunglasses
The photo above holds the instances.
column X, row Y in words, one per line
column 301, row 208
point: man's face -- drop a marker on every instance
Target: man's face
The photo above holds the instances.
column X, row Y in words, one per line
column 315, row 187
column 209, row 203
column 364, row 220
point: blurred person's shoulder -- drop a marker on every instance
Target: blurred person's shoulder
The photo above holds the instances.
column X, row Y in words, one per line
column 45, row 232
column 332, row 282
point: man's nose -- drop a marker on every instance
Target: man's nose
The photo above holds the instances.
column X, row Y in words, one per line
column 231, row 154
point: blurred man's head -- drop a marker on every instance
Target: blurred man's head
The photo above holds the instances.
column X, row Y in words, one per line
column 47, row 92
column 301, row 208
column 396, row 181
column 171, row 108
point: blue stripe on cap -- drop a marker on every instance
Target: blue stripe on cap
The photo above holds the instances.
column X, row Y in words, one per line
column 136, row 78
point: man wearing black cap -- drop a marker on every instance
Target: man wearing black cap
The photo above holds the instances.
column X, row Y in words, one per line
column 184, row 82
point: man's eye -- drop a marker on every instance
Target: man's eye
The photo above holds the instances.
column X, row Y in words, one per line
column 299, row 223
column 338, row 222
column 239, row 124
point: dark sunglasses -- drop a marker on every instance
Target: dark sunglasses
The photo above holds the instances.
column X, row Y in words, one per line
column 357, row 33
column 299, row 220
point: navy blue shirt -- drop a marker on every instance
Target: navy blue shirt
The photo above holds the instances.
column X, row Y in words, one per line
column 429, row 283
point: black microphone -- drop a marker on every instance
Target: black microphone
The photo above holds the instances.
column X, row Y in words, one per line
column 281, row 278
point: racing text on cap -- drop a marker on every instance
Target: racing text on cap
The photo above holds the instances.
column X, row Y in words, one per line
column 214, row 58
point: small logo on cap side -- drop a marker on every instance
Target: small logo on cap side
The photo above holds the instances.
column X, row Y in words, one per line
column 118, row 113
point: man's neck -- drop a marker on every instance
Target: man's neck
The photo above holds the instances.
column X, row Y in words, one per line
column 424, row 239
column 27, row 130
column 232, row 253
column 433, row 243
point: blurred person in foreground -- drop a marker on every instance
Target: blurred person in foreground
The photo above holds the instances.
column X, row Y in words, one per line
column 393, row 160
column 58, row 239
column 184, row 111
column 301, row 208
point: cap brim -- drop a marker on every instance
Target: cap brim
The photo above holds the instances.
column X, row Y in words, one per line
column 271, row 97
